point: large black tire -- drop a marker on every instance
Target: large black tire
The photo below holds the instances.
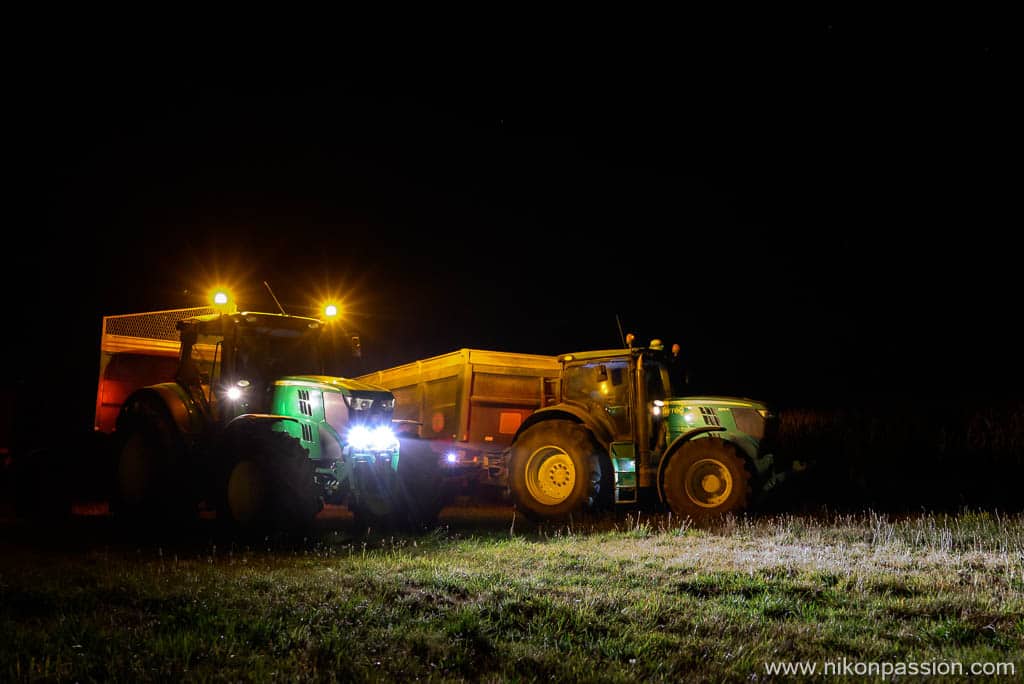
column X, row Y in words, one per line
column 420, row 484
column 555, row 470
column 376, row 504
column 269, row 482
column 705, row 479
column 150, row 475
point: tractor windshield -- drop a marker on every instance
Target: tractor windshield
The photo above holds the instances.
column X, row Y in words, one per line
column 266, row 354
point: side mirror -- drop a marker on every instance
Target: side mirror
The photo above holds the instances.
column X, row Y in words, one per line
column 357, row 347
column 602, row 373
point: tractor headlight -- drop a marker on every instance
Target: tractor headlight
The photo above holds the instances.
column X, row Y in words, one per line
column 383, row 439
column 236, row 391
column 380, row 438
column 360, row 437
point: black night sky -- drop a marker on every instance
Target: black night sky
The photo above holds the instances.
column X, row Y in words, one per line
column 822, row 221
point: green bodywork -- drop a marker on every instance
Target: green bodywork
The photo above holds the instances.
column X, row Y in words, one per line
column 323, row 409
column 245, row 367
column 624, row 397
column 686, row 415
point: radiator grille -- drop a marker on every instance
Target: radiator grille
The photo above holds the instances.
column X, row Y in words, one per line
column 305, row 408
column 710, row 417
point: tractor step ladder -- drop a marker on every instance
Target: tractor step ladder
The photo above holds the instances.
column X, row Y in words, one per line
column 623, row 456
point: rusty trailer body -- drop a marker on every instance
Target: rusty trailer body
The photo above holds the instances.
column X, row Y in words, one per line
column 137, row 350
column 470, row 403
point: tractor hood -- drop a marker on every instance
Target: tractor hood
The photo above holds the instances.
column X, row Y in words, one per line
column 717, row 401
column 332, row 381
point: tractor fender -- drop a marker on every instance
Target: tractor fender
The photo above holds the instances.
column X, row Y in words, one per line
column 236, row 426
column 245, row 419
column 183, row 411
column 683, row 439
column 567, row 412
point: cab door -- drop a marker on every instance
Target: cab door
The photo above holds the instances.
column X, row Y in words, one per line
column 604, row 387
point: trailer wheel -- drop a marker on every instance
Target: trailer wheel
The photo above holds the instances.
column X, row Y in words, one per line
column 555, row 469
column 705, row 479
column 270, row 482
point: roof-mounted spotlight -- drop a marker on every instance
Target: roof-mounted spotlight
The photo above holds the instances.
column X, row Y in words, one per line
column 331, row 311
column 223, row 301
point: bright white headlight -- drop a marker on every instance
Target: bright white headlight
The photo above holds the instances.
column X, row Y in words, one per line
column 383, row 438
column 360, row 437
column 234, row 393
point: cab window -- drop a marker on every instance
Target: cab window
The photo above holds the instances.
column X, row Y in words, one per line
column 655, row 381
column 604, row 383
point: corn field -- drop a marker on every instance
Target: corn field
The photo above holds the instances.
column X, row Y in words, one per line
column 901, row 455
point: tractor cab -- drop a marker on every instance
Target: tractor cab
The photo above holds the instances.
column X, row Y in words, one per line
column 256, row 424
column 621, row 390
column 618, row 430
column 229, row 362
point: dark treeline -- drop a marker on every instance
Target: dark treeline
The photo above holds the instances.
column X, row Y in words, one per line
column 902, row 456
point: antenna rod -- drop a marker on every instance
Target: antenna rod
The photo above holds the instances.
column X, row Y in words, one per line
column 621, row 336
column 275, row 298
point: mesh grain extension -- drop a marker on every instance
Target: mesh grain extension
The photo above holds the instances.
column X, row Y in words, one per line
column 155, row 325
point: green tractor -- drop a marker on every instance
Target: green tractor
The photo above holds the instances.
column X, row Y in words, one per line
column 617, row 436
column 252, row 427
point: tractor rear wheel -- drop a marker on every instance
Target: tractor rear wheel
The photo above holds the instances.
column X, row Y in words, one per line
column 270, row 481
column 555, row 470
column 705, row 479
column 149, row 484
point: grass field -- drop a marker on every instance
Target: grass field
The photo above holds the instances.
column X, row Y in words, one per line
column 622, row 598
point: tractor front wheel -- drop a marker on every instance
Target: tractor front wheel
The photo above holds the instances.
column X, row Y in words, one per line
column 270, row 482
column 420, row 482
column 705, row 479
column 377, row 502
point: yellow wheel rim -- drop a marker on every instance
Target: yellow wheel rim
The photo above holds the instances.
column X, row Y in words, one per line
column 550, row 475
column 246, row 491
column 708, row 483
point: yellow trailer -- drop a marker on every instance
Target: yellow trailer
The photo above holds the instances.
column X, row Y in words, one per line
column 469, row 403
